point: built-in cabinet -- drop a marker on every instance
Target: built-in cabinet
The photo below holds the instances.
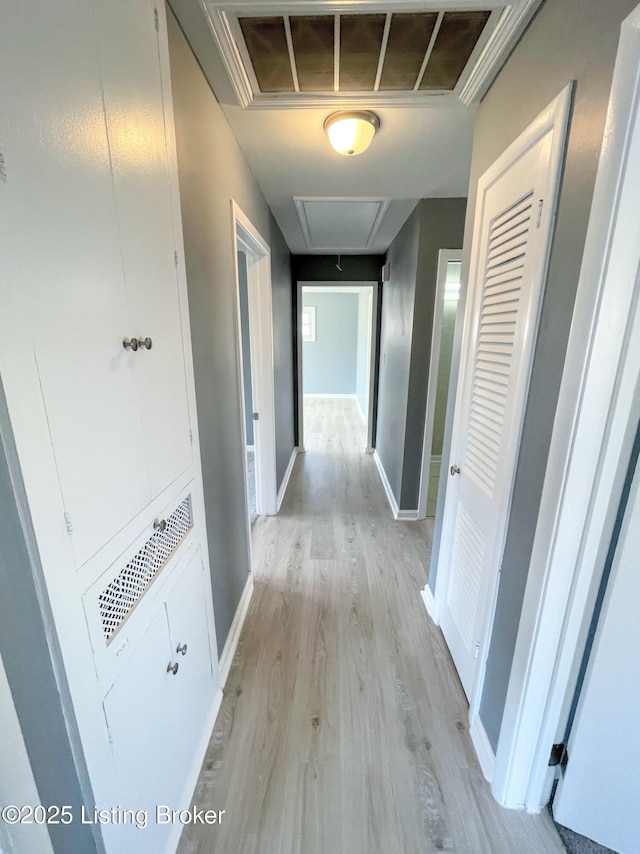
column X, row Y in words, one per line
column 96, row 368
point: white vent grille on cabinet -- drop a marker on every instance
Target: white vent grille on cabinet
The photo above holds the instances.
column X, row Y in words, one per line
column 501, row 293
column 127, row 588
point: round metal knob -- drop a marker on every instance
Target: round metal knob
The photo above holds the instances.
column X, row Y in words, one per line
column 131, row 344
column 172, row 668
column 182, row 648
column 147, row 343
column 454, row 470
column 160, row 524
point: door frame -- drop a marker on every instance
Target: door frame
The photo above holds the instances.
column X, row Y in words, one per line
column 596, row 420
column 553, row 118
column 371, row 351
column 444, row 257
column 246, row 238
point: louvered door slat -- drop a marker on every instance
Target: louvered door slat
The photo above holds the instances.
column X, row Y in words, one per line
column 498, row 317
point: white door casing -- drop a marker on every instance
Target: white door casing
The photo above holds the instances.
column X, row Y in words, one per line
column 248, row 240
column 515, row 212
column 604, row 748
column 444, row 257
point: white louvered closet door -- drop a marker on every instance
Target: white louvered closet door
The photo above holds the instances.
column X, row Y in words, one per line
column 509, row 254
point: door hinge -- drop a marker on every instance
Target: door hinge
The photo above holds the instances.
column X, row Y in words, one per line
column 256, row 416
column 559, row 756
column 476, row 651
column 68, row 523
column 540, row 207
column 156, row 19
column 3, row 167
column 191, row 436
column 175, row 258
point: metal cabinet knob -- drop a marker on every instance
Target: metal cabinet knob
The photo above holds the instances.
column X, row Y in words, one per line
column 182, row 648
column 454, row 470
column 131, row 344
column 147, row 343
column 160, row 524
column 172, row 668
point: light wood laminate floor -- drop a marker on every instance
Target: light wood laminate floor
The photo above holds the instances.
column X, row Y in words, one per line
column 344, row 728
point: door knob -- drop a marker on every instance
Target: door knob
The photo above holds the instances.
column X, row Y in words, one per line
column 147, row 343
column 131, row 344
column 172, row 668
column 182, row 648
column 454, row 470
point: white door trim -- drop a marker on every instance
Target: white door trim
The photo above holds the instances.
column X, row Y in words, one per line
column 247, row 239
column 444, row 256
column 596, row 419
column 328, row 287
column 552, row 122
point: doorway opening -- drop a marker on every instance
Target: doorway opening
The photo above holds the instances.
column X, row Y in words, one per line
column 444, row 323
column 336, row 349
column 245, row 340
column 255, row 360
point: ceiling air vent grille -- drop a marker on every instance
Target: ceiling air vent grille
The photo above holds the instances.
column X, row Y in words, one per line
column 355, row 53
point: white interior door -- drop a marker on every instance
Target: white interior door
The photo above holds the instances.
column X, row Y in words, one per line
column 600, row 791
column 514, row 216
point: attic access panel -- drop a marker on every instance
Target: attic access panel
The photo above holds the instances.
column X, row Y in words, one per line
column 356, row 53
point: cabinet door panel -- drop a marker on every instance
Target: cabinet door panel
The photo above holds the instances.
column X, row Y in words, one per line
column 141, row 724
column 67, row 275
column 129, row 53
column 156, row 718
column 192, row 689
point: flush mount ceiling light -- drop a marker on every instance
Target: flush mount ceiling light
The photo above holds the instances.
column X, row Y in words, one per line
column 351, row 132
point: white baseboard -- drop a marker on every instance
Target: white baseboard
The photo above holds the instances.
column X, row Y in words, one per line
column 285, row 479
column 393, row 504
column 408, row 515
column 429, row 603
column 482, row 746
column 231, row 643
column 369, row 449
column 194, row 771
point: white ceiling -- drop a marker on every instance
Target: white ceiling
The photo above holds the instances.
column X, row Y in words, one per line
column 421, row 151
column 417, row 153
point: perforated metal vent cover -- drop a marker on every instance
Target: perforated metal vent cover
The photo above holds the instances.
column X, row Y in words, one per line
column 125, row 591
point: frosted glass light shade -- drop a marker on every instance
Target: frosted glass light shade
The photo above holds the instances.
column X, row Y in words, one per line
column 351, row 132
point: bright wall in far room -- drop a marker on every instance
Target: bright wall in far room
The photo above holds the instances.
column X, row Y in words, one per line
column 329, row 363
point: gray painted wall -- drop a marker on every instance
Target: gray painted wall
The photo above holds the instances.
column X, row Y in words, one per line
column 362, row 362
column 568, row 40
column 36, row 684
column 246, row 344
column 212, row 171
column 329, row 364
column 398, row 297
column 322, row 268
column 283, row 348
column 441, row 227
column 408, row 302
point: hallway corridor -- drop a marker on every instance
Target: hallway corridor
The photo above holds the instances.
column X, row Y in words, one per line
column 343, row 728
